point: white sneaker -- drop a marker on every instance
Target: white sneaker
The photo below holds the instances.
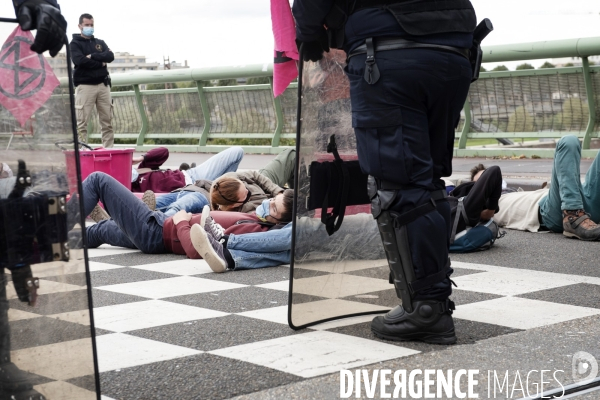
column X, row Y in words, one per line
column 210, row 225
column 210, row 250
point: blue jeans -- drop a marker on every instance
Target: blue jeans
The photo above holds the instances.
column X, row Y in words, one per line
column 566, row 190
column 219, row 164
column 170, row 203
column 261, row 249
column 131, row 225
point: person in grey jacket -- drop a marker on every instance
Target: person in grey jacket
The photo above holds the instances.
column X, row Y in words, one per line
column 234, row 191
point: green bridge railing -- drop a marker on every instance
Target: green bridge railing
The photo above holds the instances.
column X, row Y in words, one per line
column 527, row 104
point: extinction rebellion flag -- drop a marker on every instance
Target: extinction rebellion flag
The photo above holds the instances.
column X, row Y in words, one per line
column 26, row 78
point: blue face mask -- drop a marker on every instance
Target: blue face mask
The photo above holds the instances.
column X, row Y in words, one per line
column 262, row 211
column 87, row 31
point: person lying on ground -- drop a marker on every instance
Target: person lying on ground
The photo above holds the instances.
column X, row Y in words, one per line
column 148, row 176
column 234, row 191
column 567, row 206
column 133, row 225
column 224, row 251
column 479, row 196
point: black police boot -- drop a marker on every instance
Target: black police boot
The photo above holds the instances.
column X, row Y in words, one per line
column 430, row 322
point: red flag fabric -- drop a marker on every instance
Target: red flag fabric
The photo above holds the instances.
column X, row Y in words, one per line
column 26, row 79
column 286, row 52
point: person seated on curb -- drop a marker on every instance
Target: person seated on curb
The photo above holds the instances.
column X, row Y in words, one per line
column 567, row 206
column 233, row 188
column 133, row 225
column 148, row 176
column 480, row 196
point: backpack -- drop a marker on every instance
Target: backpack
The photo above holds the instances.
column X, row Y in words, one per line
column 478, row 238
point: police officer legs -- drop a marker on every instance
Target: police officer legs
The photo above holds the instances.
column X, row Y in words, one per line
column 409, row 76
column 404, row 125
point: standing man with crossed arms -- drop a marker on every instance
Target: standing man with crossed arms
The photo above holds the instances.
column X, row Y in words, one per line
column 92, row 81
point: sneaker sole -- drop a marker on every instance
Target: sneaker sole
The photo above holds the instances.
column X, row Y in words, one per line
column 203, row 247
column 446, row 338
column 149, row 199
column 574, row 236
column 204, row 216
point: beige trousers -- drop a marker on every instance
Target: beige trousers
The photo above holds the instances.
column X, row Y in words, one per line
column 88, row 96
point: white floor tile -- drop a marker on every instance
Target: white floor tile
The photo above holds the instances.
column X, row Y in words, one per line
column 118, row 350
column 306, row 313
column 99, row 266
column 59, row 361
column 46, row 287
column 314, row 353
column 64, row 391
column 273, row 314
column 171, row 287
column 178, row 267
column 17, row 315
column 341, row 267
column 338, row 285
column 108, row 250
column 146, row 314
column 284, row 286
column 521, row 313
column 344, row 322
column 510, row 283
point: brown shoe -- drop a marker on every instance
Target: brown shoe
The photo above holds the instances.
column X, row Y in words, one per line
column 578, row 224
column 149, row 199
column 98, row 214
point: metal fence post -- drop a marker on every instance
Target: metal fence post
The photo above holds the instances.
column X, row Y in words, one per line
column 278, row 115
column 205, row 113
column 462, row 140
column 143, row 116
column 589, row 91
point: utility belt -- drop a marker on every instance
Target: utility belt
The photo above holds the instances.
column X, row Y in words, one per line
column 436, row 195
column 399, row 43
column 371, row 46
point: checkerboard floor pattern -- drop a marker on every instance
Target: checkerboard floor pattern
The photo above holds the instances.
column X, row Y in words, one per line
column 167, row 327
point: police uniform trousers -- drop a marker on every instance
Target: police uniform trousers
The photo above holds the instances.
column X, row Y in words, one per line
column 404, row 125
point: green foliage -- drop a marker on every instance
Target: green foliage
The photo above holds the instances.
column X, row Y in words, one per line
column 547, row 65
column 521, row 121
column 524, row 66
column 121, row 88
column 569, row 65
column 258, row 81
column 482, row 69
column 226, row 82
column 183, row 85
column 500, row 68
column 573, row 117
column 161, row 86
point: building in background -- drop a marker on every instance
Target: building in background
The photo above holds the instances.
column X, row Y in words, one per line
column 123, row 62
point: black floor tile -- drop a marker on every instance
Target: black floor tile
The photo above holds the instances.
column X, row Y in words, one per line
column 103, row 298
column 55, row 303
column 41, row 331
column 125, row 275
column 216, row 333
column 467, row 332
column 204, row 376
column 580, row 294
column 234, row 300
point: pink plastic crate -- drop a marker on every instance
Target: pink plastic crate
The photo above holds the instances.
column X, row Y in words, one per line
column 114, row 162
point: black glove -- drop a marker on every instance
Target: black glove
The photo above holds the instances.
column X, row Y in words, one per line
column 313, row 51
column 50, row 24
column 23, row 281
